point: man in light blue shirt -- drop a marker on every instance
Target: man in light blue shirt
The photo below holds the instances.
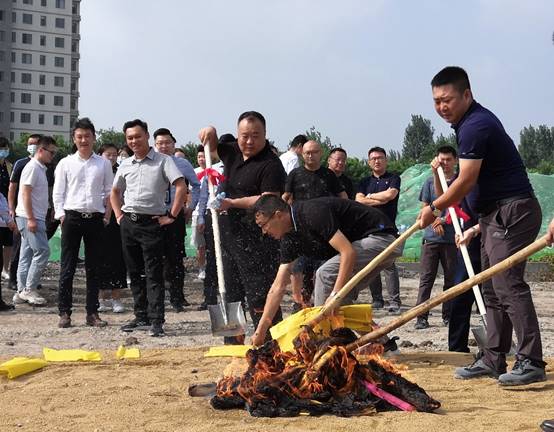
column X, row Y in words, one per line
column 174, row 234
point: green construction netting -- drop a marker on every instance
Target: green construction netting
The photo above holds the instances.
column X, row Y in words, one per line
column 409, row 205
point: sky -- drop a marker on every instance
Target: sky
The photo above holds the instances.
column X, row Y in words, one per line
column 356, row 70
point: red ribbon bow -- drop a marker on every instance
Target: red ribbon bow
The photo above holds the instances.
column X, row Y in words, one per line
column 459, row 213
column 213, row 175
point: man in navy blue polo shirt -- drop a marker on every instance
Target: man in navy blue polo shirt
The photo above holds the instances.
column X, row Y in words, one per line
column 509, row 219
column 380, row 190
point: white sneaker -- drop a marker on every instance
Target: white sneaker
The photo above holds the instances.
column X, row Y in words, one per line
column 202, row 274
column 118, row 306
column 105, row 305
column 5, row 275
column 32, row 296
column 17, row 300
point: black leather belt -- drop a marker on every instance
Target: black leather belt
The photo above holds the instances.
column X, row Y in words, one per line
column 141, row 217
column 84, row 215
column 497, row 204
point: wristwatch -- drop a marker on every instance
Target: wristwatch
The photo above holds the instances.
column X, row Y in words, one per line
column 436, row 211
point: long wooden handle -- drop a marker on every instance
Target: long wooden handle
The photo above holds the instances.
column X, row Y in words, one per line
column 449, row 294
column 463, row 248
column 356, row 279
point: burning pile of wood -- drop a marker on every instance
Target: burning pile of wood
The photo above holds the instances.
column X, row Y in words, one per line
column 285, row 384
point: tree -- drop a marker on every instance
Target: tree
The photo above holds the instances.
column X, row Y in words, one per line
column 190, row 149
column 110, row 136
column 536, row 146
column 418, row 139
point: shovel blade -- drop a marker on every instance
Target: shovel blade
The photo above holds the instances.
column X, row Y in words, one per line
column 480, row 335
column 235, row 324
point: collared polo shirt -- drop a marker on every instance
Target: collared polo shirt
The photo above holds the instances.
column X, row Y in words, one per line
column 145, row 182
column 187, row 170
column 305, row 184
column 427, row 195
column 34, row 175
column 373, row 184
column 260, row 173
column 480, row 135
column 316, row 221
column 348, row 186
column 82, row 184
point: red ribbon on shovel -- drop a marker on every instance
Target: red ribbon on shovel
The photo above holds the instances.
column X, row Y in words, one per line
column 214, row 176
column 459, row 213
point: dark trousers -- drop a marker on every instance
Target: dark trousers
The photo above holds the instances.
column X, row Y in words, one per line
column 114, row 272
column 143, row 250
column 504, row 232
column 75, row 228
column 460, row 306
column 431, row 254
column 210, row 281
column 51, row 227
column 174, row 248
column 254, row 258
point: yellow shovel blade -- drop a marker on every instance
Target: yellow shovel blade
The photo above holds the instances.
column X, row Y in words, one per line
column 53, row 355
column 20, row 366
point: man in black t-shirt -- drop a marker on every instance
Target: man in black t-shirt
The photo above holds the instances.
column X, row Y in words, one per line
column 344, row 233
column 336, row 162
column 250, row 259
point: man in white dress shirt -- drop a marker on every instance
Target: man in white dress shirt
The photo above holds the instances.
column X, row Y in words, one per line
column 82, row 187
column 291, row 158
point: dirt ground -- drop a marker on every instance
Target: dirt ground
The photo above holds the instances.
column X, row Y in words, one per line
column 151, row 393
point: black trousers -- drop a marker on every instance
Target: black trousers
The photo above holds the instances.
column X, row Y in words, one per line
column 143, row 251
column 174, row 251
column 91, row 231
column 461, row 306
column 508, row 299
column 114, row 272
column 250, row 262
column 51, row 227
column 210, row 281
column 431, row 254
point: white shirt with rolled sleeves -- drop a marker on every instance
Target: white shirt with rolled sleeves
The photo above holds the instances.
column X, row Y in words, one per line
column 34, row 175
column 144, row 183
column 290, row 161
column 82, row 185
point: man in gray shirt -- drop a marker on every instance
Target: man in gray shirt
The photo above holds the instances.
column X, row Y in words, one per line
column 143, row 180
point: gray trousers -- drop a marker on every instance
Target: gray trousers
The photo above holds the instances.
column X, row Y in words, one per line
column 393, row 286
column 366, row 249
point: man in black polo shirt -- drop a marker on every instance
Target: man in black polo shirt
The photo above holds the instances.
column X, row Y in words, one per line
column 345, row 233
column 251, row 170
column 509, row 219
column 380, row 190
column 336, row 162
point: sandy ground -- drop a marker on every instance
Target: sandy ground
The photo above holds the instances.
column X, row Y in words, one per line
column 151, row 393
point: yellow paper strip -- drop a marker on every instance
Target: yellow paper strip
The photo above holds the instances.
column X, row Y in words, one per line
column 228, row 351
column 20, row 366
column 127, row 353
column 53, row 355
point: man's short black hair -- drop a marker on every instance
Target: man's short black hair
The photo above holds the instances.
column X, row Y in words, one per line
column 298, row 140
column 268, row 204
column 226, row 138
column 35, row 136
column 447, row 150
column 454, row 75
column 105, row 147
column 164, row 131
column 46, row 140
column 135, row 122
column 83, row 123
column 251, row 115
column 338, row 150
column 378, row 150
column 200, row 149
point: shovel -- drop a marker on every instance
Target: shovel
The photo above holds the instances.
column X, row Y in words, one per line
column 356, row 279
column 227, row 318
column 479, row 333
column 449, row 294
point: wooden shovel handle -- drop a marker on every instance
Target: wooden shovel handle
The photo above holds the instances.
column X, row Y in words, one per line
column 449, row 294
column 373, row 264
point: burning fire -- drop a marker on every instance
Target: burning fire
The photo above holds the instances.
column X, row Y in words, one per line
column 284, row 384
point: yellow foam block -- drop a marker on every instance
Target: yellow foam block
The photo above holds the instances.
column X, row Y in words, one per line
column 127, row 353
column 53, row 355
column 228, row 351
column 20, row 366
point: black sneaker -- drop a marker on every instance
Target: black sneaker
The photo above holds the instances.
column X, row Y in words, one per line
column 394, row 309
column 136, row 324
column 421, row 324
column 156, row 330
column 391, row 345
column 477, row 369
column 4, row 307
column 377, row 304
column 177, row 307
column 523, row 372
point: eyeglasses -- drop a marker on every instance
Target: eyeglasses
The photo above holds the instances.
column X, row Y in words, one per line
column 52, row 152
column 338, row 160
column 377, row 158
column 263, row 225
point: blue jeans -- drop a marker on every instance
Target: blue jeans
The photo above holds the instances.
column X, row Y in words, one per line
column 33, row 254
